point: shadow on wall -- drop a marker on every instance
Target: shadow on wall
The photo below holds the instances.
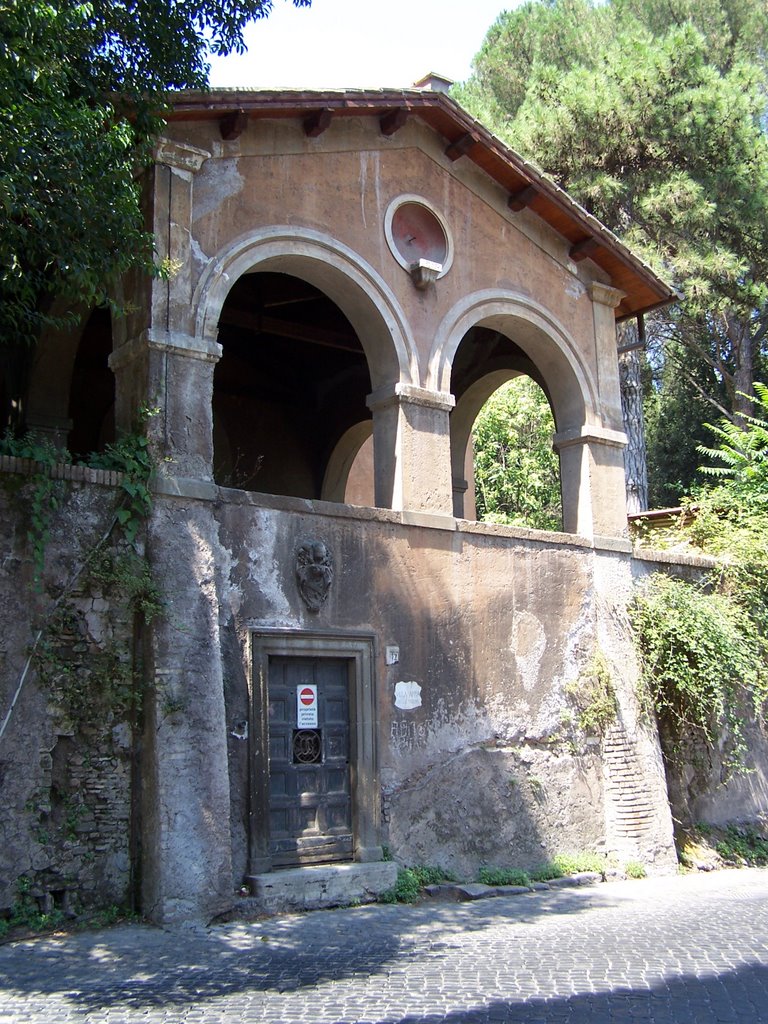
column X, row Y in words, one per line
column 489, row 768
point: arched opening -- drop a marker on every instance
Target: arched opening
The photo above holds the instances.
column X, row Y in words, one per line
column 516, row 471
column 503, row 465
column 92, row 388
column 289, row 391
column 70, row 388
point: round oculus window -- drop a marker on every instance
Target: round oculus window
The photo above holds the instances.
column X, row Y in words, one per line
column 416, row 232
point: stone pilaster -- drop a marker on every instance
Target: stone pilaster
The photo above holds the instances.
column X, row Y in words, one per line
column 411, row 442
column 604, row 301
column 592, row 481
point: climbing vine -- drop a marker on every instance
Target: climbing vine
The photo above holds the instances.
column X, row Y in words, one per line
column 702, row 660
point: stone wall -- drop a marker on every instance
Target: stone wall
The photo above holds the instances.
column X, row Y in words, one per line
column 65, row 754
column 487, row 644
column 495, row 629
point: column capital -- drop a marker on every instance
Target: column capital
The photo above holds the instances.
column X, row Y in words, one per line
column 181, row 156
column 401, row 393
column 589, row 435
column 605, row 295
column 165, row 341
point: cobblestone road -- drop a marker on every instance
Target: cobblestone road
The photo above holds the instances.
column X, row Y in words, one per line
column 687, row 949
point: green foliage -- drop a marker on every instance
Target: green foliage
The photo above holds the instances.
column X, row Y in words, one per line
column 743, row 450
column 92, row 680
column 517, row 474
column 503, row 876
column 702, row 659
column 743, row 846
column 410, row 882
column 704, row 647
column 45, row 494
column 635, row 869
column 81, row 85
column 595, row 696
column 131, row 457
column 568, row 864
column 26, row 914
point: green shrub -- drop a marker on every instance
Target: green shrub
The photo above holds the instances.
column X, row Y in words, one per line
column 635, row 869
column 701, row 660
column 568, row 864
column 503, row 876
column 410, row 882
column 743, row 845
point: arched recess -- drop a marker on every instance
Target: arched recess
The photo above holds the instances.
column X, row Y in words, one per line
column 338, row 272
column 349, row 465
column 554, row 359
column 488, row 339
column 71, row 393
column 290, row 389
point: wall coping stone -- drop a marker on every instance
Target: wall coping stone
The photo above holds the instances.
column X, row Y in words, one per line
column 666, row 557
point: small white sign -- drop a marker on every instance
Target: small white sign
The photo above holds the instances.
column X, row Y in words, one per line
column 392, row 655
column 407, row 696
column 306, row 706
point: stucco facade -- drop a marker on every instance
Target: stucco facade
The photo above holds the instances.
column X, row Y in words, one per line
column 290, row 329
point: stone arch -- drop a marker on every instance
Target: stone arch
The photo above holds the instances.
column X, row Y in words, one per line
column 568, row 381
column 342, row 460
column 61, row 397
column 553, row 360
column 344, row 276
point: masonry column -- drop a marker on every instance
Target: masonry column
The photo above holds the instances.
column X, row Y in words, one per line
column 412, row 449
column 592, row 456
column 185, row 827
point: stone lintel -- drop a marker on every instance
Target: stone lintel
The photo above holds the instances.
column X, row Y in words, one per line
column 165, row 341
column 590, row 435
column 181, row 156
column 606, row 295
column 411, row 394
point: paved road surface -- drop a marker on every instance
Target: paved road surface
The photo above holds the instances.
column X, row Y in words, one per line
column 689, row 949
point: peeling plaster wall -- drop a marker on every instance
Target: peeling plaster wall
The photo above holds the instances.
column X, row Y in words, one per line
column 479, row 758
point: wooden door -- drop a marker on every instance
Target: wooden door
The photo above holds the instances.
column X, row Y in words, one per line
column 310, row 806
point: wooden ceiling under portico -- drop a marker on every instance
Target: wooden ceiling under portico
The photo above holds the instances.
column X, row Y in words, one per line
column 465, row 139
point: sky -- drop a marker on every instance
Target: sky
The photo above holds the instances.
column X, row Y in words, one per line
column 359, row 43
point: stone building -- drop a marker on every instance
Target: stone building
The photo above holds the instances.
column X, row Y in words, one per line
column 346, row 660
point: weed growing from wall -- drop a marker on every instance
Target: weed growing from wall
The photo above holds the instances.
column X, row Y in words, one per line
column 594, row 696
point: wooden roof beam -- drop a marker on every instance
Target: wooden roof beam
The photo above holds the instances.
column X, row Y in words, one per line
column 461, row 146
column 582, row 250
column 317, row 122
column 393, row 121
column 233, row 124
column 524, row 197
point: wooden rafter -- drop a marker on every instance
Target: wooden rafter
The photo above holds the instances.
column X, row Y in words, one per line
column 393, row 120
column 317, row 122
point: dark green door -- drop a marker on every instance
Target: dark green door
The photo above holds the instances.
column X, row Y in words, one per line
column 310, row 807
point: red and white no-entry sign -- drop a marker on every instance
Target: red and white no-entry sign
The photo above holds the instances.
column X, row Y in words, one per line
column 306, row 706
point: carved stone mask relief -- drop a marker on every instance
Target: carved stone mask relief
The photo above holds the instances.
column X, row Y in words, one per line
column 314, row 573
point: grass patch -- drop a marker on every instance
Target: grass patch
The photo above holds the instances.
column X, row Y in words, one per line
column 568, row 864
column 716, row 846
column 411, row 881
column 503, row 876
